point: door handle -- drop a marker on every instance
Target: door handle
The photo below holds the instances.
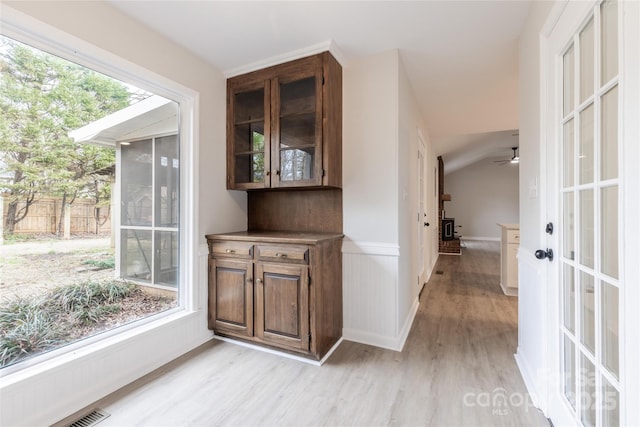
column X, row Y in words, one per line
column 542, row 254
column 426, row 224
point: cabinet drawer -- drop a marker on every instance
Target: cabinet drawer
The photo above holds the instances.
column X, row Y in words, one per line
column 284, row 253
column 513, row 236
column 231, row 249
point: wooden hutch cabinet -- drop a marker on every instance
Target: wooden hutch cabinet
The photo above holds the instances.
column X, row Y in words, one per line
column 277, row 288
column 279, row 284
column 284, row 126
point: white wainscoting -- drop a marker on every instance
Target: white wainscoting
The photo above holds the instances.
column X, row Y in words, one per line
column 370, row 295
column 531, row 355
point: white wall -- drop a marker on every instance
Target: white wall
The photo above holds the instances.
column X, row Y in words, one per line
column 532, row 298
column 411, row 123
column 54, row 389
column 380, row 133
column 370, row 149
column 482, row 194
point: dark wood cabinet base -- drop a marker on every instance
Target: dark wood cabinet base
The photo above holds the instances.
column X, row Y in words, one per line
column 282, row 290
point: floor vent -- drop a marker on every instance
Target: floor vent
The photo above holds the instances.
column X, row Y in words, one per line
column 91, row 419
column 439, row 272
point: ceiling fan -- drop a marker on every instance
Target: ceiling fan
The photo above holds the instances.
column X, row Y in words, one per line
column 515, row 159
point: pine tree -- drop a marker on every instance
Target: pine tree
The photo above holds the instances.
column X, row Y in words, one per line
column 42, row 98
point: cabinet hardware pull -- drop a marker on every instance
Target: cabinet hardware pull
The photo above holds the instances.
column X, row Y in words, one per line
column 279, row 255
column 258, row 280
column 249, row 280
column 230, row 251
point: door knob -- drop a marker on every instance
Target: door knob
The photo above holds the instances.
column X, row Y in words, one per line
column 426, row 224
column 542, row 254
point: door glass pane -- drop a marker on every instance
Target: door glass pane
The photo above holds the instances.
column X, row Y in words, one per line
column 569, row 297
column 296, row 165
column 586, row 61
column 609, row 134
column 569, row 226
column 249, row 106
column 136, row 252
column 587, row 311
column 609, row 18
column 610, row 405
column 609, row 310
column 298, row 129
column 249, row 158
column 568, row 70
column 585, row 156
column 166, row 260
column 587, row 391
column 137, row 173
column 609, row 231
column 586, row 228
column 568, row 153
column 249, row 136
column 167, row 185
column 569, row 352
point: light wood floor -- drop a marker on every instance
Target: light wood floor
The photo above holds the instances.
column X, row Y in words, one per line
column 455, row 367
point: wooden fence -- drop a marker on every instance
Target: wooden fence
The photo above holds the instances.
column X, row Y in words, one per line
column 44, row 216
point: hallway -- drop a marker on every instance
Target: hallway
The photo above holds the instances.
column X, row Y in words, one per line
column 457, row 369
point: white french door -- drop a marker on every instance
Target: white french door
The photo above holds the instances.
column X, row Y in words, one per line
column 586, row 127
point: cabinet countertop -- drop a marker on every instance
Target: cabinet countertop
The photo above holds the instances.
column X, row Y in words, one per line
column 275, row 237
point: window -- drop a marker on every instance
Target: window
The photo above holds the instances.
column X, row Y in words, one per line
column 70, row 127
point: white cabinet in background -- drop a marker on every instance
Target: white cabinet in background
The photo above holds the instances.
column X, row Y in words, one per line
column 509, row 244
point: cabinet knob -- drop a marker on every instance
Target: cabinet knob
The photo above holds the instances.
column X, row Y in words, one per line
column 230, row 251
column 276, row 172
column 280, row 255
column 258, row 280
column 249, row 280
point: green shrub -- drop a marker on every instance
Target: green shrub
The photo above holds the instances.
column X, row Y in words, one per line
column 82, row 295
column 101, row 263
column 92, row 315
column 33, row 324
column 26, row 327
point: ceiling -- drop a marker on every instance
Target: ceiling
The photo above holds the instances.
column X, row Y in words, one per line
column 461, row 57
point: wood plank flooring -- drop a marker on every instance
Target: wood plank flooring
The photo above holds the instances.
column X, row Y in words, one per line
column 457, row 369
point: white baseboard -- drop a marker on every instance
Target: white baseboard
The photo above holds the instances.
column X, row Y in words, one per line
column 511, row 292
column 384, row 341
column 406, row 328
column 486, row 239
column 527, row 377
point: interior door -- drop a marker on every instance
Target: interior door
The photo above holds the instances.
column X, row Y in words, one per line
column 584, row 171
column 421, row 214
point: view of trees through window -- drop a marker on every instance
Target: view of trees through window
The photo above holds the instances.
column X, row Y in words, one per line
column 89, row 202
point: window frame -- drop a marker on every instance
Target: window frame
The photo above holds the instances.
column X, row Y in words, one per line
column 52, row 40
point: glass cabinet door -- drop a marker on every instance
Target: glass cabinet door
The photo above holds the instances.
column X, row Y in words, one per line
column 297, row 151
column 249, row 141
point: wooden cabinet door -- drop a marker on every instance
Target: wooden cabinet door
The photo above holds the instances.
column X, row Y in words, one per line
column 231, row 296
column 248, row 134
column 282, row 305
column 296, row 152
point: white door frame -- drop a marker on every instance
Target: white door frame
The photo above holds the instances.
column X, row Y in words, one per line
column 560, row 24
column 421, row 202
